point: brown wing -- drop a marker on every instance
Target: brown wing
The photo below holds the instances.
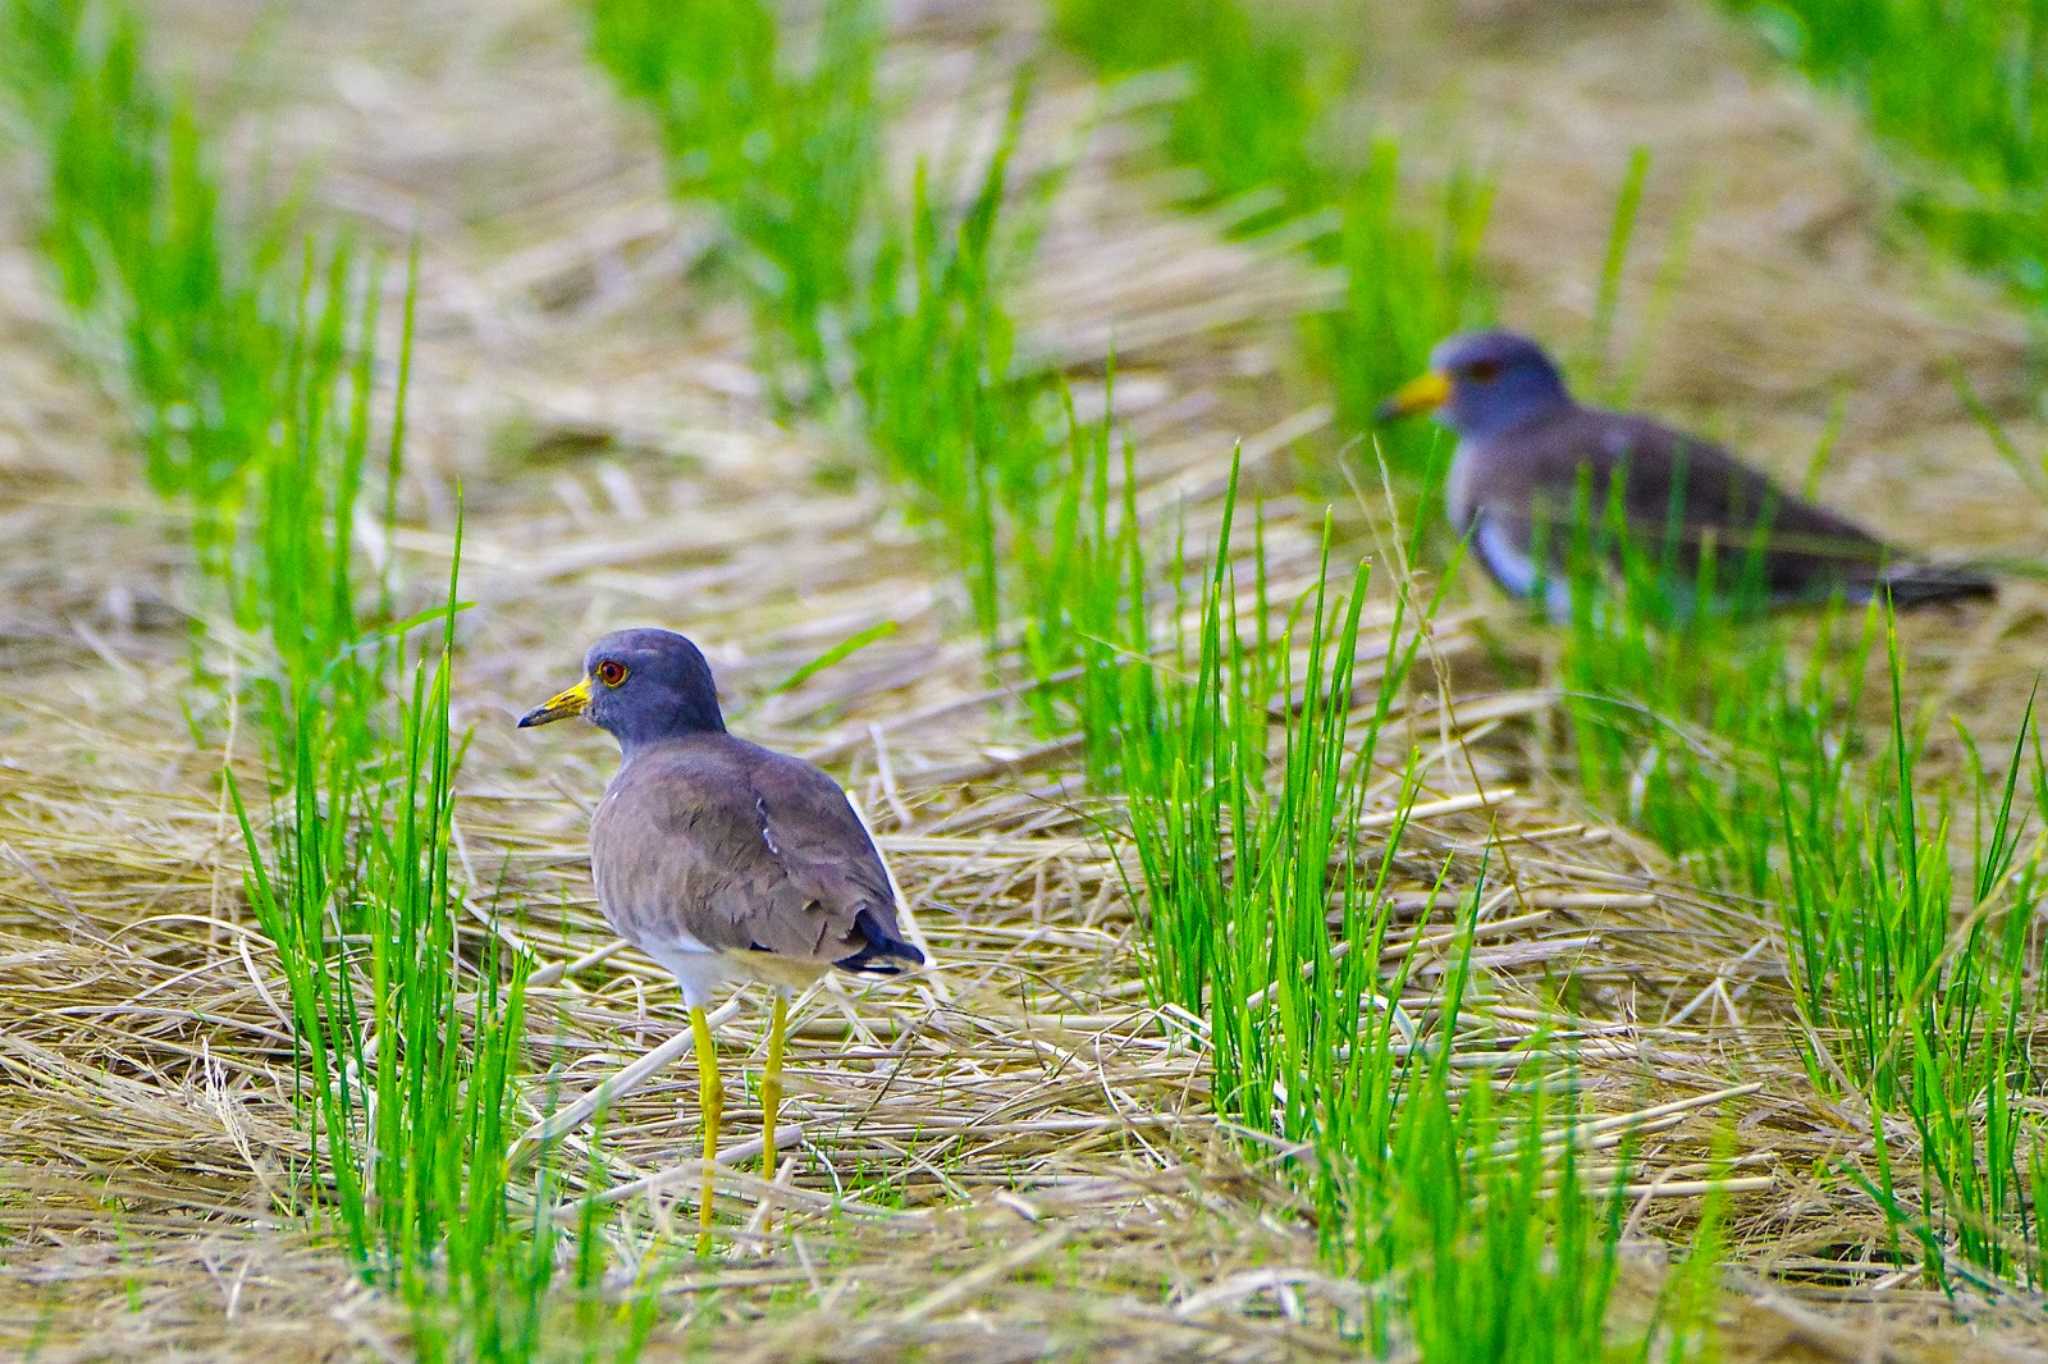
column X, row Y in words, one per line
column 1679, row 495
column 743, row 849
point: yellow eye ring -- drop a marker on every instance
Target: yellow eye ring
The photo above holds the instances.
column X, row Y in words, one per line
column 611, row 672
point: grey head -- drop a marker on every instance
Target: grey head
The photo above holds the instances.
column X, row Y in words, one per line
column 1481, row 384
column 640, row 686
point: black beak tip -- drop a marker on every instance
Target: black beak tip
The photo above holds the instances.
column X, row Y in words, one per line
column 529, row 720
column 1387, row 411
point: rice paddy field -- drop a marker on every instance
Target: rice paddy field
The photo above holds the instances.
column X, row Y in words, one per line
column 1329, row 957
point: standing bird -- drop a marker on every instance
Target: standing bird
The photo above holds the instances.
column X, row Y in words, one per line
column 723, row 860
column 1524, row 447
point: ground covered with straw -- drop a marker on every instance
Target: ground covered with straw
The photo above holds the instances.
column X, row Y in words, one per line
column 1023, row 1151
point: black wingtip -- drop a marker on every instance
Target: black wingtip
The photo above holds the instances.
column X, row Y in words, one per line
column 1925, row 586
column 883, row 953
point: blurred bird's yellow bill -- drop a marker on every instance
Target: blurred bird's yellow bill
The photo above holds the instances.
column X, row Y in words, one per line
column 1423, row 393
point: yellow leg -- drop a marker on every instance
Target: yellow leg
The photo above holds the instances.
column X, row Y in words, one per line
column 771, row 1088
column 711, row 1104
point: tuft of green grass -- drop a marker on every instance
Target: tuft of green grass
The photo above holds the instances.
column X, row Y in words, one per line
column 789, row 152
column 1505, row 1247
column 940, row 398
column 1258, row 118
column 1913, row 940
column 248, row 360
column 1261, row 85
column 1244, row 753
column 892, row 309
column 132, row 227
column 1955, row 88
column 409, row 1050
column 1410, row 279
column 1926, row 985
column 1736, row 739
column 240, row 352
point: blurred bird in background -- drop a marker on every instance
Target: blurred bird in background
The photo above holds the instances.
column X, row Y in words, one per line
column 1532, row 464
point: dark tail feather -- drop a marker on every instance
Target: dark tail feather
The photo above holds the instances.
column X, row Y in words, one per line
column 883, row 954
column 1927, row 584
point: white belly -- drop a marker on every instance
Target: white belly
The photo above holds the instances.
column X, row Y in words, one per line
column 1459, row 494
column 697, row 969
column 1515, row 569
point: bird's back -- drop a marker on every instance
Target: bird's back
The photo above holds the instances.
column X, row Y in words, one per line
column 706, row 842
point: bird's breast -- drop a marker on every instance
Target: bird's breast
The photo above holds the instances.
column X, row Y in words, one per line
column 611, row 872
column 1461, row 488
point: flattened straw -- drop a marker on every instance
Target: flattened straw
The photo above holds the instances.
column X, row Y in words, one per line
column 739, row 1181
column 886, row 775
column 628, row 1078
column 1689, row 1188
column 1579, row 1132
column 786, row 1135
column 982, row 1275
column 557, row 970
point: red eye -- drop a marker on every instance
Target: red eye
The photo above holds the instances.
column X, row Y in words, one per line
column 611, row 672
column 1483, row 371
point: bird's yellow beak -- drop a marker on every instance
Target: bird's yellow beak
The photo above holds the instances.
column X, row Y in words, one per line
column 1424, row 393
column 560, row 706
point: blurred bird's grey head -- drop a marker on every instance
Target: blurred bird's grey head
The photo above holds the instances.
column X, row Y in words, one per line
column 1483, row 383
column 640, row 686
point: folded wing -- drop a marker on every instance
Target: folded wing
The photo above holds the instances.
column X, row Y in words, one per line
column 714, row 841
column 1681, row 499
